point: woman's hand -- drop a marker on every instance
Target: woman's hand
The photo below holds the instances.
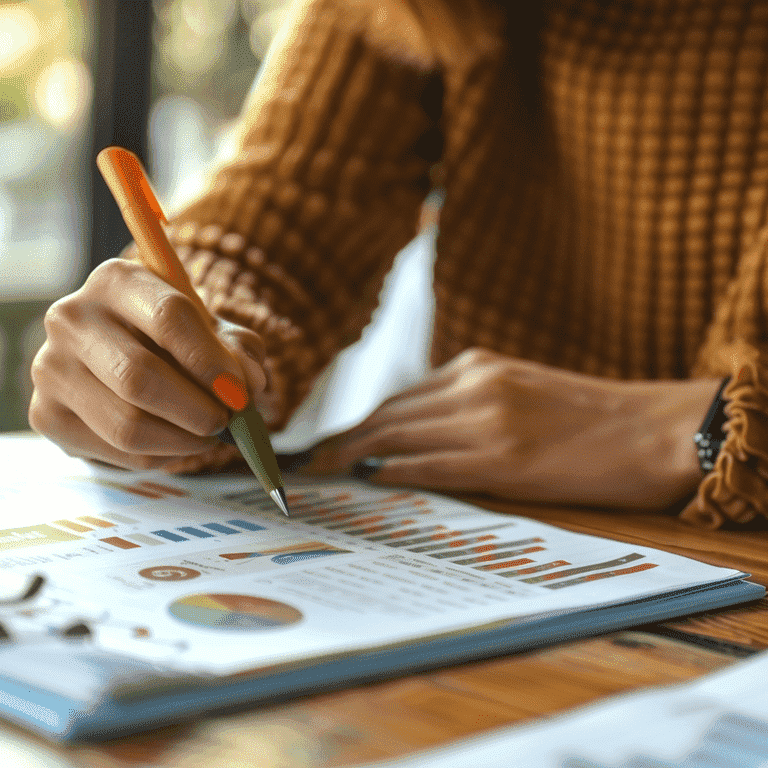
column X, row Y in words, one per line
column 523, row 431
column 126, row 375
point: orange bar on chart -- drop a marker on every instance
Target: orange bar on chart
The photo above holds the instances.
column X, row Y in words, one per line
column 73, row 526
column 160, row 488
column 97, row 521
column 116, row 541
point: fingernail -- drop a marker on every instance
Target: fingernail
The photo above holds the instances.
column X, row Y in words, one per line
column 367, row 467
column 231, row 391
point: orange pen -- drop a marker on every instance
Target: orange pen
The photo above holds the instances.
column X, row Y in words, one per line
column 127, row 181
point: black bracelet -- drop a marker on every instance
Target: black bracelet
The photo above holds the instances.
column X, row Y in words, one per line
column 711, row 435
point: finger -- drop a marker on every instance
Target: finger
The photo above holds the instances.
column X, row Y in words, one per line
column 440, row 470
column 409, row 406
column 437, row 404
column 433, row 381
column 250, row 351
column 122, row 425
column 72, row 435
column 406, row 438
column 140, row 377
column 173, row 322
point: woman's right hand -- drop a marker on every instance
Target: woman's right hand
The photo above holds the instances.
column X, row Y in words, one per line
column 126, row 374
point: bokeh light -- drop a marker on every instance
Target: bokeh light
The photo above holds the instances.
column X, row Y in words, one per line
column 63, row 93
column 20, row 35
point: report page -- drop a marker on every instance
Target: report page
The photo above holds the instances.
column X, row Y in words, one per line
column 205, row 575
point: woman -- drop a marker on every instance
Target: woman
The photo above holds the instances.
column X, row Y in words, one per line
column 599, row 269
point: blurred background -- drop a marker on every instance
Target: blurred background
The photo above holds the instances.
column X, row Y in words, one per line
column 165, row 79
column 77, row 75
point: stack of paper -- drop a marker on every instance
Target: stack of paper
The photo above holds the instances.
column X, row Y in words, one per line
column 166, row 597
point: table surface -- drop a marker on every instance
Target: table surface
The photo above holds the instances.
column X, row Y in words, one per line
column 400, row 716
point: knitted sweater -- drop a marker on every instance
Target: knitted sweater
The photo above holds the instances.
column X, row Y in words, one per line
column 605, row 172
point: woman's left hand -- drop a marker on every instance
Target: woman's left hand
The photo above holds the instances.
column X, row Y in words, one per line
column 486, row 423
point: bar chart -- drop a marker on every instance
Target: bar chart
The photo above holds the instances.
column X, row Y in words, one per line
column 407, row 521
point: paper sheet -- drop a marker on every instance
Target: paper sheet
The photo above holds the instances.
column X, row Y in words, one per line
column 205, row 575
column 719, row 721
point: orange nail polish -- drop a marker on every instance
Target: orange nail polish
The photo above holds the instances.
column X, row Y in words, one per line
column 231, row 391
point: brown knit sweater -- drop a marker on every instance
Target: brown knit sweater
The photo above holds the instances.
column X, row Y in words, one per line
column 605, row 168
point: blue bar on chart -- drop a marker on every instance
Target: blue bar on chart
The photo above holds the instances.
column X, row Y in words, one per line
column 219, row 528
column 246, row 525
column 190, row 531
column 170, row 536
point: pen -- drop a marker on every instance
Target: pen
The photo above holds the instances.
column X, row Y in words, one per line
column 128, row 183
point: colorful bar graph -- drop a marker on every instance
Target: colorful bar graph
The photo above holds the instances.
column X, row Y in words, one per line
column 219, row 528
column 190, row 531
column 585, row 568
column 170, row 536
column 535, row 568
column 116, row 541
column 96, row 521
column 73, row 526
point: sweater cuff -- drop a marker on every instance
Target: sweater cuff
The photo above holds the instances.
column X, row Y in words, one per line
column 737, row 487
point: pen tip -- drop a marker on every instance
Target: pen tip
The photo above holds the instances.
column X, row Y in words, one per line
column 278, row 496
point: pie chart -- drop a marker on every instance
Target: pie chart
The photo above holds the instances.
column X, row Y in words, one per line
column 234, row 613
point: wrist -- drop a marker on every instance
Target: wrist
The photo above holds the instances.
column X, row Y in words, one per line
column 684, row 412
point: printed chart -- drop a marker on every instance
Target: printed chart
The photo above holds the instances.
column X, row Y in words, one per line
column 403, row 520
column 238, row 613
column 95, row 536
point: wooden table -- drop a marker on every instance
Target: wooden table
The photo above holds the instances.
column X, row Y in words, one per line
column 400, row 716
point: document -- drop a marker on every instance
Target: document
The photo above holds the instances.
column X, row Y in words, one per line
column 200, row 590
column 720, row 720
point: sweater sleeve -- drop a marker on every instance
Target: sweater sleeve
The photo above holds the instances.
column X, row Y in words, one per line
column 295, row 235
column 737, row 346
